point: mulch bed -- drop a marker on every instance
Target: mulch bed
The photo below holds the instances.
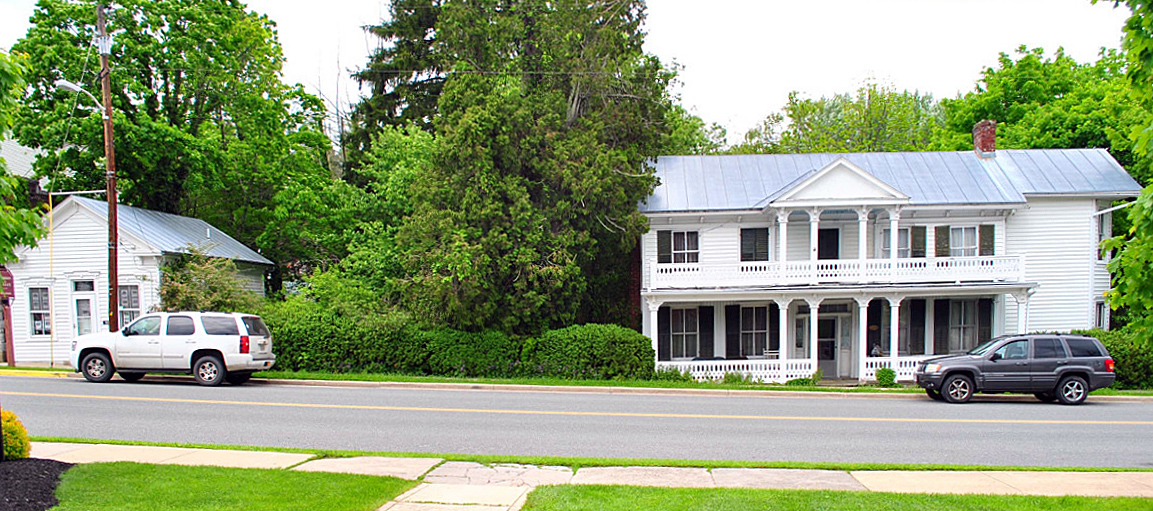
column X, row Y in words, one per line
column 29, row 484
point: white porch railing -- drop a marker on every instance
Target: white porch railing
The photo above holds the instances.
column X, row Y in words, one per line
column 905, row 367
column 761, row 370
column 770, row 273
column 781, row 371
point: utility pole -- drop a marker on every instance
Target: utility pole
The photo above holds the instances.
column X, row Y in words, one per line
column 105, row 45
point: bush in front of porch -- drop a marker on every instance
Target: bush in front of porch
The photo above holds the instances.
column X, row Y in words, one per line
column 1133, row 361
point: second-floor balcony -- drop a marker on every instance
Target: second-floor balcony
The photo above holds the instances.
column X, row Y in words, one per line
column 836, row 271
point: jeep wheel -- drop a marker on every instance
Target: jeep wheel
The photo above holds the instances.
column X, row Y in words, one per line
column 958, row 388
column 209, row 371
column 1072, row 390
column 238, row 378
column 130, row 376
column 1046, row 397
column 935, row 395
column 97, row 367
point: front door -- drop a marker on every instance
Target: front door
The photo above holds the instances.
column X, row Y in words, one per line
column 827, row 346
column 83, row 316
column 828, row 244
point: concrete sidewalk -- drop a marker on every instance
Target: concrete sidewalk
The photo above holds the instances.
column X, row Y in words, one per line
column 463, row 486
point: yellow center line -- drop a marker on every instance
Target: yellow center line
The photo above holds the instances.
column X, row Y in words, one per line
column 580, row 414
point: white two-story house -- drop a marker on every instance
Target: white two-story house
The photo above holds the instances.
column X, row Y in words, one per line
column 777, row 266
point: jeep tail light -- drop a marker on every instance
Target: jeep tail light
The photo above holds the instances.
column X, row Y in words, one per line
column 244, row 344
column 1109, row 364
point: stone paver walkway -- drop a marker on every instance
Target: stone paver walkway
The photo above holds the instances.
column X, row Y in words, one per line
column 467, row 486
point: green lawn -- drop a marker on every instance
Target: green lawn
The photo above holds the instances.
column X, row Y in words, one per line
column 133, row 486
column 614, row 498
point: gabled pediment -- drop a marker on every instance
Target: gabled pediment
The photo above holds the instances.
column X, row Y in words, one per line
column 840, row 183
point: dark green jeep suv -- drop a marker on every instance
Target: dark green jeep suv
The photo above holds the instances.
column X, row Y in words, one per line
column 1052, row 367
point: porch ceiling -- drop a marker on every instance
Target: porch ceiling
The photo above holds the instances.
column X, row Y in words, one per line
column 842, row 291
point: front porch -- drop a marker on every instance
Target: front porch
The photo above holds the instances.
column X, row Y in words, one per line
column 846, row 332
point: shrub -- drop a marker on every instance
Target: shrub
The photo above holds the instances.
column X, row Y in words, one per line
column 16, row 443
column 590, row 351
column 800, row 382
column 311, row 337
column 886, row 377
column 1131, row 357
column 671, row 374
column 817, row 376
column 737, row 379
column 454, row 353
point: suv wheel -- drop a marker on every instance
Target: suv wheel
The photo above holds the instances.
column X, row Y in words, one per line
column 1072, row 390
column 97, row 367
column 934, row 394
column 209, row 371
column 1047, row 397
column 958, row 388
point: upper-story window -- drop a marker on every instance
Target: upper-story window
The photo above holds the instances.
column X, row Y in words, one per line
column 962, row 241
column 755, row 244
column 678, row 247
column 903, row 248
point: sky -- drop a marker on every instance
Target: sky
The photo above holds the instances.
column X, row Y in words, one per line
column 740, row 58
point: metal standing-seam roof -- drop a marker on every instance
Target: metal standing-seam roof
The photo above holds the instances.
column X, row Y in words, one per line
column 174, row 233
column 745, row 182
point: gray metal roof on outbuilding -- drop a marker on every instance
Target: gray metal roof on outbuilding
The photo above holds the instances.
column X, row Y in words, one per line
column 174, row 233
column 744, row 182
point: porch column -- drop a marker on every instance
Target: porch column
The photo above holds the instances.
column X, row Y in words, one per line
column 814, row 228
column 1022, row 311
column 814, row 308
column 782, row 241
column 894, row 217
column 862, row 227
column 783, row 331
column 930, row 326
column 651, row 325
column 894, row 330
column 862, row 335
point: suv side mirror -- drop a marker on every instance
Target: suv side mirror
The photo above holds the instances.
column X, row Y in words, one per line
column 124, row 332
column 995, row 357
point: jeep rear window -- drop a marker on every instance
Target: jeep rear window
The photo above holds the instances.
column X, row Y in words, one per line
column 217, row 325
column 255, row 326
column 1083, row 348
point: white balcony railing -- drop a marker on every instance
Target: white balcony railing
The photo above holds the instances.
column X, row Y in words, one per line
column 834, row 271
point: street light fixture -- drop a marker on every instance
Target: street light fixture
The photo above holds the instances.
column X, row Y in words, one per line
column 73, row 87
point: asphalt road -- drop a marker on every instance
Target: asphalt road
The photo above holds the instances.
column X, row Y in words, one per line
column 1098, row 433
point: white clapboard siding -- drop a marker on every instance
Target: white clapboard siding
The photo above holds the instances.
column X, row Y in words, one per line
column 1056, row 236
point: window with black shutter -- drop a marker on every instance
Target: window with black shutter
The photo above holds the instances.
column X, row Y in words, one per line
column 987, row 235
column 755, row 244
column 678, row 247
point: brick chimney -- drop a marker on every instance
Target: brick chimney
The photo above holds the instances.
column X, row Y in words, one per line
column 985, row 138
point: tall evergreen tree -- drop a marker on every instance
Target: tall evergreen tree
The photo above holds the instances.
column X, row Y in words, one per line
column 404, row 78
column 546, row 124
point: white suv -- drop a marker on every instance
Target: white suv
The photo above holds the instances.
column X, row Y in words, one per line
column 213, row 346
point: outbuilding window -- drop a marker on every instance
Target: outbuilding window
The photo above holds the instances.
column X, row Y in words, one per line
column 39, row 305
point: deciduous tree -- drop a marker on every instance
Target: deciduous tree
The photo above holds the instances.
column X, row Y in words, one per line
column 19, row 224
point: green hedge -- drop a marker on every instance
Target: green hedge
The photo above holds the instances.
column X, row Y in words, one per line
column 454, row 353
column 590, row 351
column 310, row 337
column 1132, row 356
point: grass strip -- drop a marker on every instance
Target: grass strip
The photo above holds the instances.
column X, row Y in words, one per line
column 612, row 498
column 580, row 462
column 135, row 486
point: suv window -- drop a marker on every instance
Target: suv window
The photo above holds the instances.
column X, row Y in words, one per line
column 219, row 325
column 1016, row 350
column 255, row 326
column 1048, row 348
column 180, row 325
column 1083, row 347
column 148, row 325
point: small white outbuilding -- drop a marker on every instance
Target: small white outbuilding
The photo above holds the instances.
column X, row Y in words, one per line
column 60, row 287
